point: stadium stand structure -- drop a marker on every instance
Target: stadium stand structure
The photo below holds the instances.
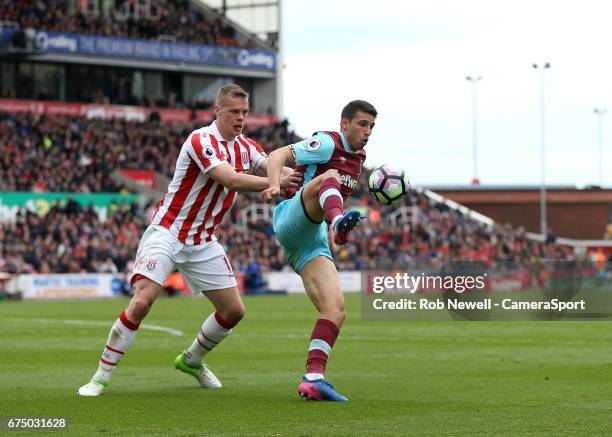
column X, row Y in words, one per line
column 167, row 20
column 52, row 147
column 154, row 53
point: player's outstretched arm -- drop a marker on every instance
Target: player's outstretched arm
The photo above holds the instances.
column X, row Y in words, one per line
column 228, row 177
column 259, row 163
column 289, row 177
column 276, row 161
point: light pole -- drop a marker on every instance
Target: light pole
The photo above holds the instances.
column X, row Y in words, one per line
column 474, row 80
column 600, row 112
column 543, row 223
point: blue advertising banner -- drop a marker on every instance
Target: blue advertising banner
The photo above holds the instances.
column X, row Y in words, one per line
column 78, row 44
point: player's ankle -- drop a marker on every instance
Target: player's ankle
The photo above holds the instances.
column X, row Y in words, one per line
column 314, row 376
column 335, row 220
column 102, row 375
column 192, row 360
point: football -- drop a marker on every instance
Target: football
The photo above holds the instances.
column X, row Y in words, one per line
column 388, row 184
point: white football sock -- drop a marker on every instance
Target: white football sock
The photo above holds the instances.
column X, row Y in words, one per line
column 207, row 339
column 119, row 340
column 333, row 223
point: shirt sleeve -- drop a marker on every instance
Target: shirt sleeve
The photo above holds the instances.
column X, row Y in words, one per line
column 256, row 153
column 317, row 149
column 204, row 150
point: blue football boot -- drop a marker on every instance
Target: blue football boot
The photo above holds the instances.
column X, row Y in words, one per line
column 319, row 390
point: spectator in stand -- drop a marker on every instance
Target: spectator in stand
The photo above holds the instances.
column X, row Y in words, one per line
column 254, row 282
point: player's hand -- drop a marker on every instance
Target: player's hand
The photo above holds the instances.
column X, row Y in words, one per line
column 291, row 180
column 269, row 194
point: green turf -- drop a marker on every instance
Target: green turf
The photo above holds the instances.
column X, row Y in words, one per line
column 403, row 378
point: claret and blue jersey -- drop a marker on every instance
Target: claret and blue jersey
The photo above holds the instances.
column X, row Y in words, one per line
column 301, row 238
column 328, row 150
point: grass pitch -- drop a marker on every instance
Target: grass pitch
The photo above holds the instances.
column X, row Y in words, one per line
column 402, row 378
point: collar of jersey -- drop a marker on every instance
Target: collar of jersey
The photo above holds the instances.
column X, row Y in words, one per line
column 215, row 131
column 345, row 144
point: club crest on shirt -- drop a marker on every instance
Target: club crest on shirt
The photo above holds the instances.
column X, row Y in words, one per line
column 245, row 158
column 148, row 264
column 313, row 145
column 151, row 264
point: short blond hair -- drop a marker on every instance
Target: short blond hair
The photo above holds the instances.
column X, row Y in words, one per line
column 230, row 90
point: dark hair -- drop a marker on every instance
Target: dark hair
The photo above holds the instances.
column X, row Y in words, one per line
column 355, row 106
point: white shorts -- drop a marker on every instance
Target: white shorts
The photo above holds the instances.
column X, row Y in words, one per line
column 204, row 267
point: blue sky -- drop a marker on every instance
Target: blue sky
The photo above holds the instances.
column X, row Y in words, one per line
column 410, row 60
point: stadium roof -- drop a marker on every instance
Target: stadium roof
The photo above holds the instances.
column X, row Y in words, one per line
column 257, row 18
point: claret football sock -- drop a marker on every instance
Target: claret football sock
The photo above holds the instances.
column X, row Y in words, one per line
column 330, row 199
column 322, row 341
column 213, row 331
column 119, row 340
column 314, row 385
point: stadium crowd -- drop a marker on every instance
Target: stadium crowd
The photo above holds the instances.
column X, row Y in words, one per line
column 78, row 155
column 72, row 239
column 175, row 20
column 75, row 154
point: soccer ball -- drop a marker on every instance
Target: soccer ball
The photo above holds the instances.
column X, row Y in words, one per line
column 388, row 184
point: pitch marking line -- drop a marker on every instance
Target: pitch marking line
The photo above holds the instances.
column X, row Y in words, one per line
column 170, row 331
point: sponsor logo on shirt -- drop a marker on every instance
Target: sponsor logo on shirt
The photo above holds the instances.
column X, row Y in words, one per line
column 348, row 181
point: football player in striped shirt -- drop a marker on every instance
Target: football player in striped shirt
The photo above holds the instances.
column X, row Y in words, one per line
column 214, row 163
column 331, row 162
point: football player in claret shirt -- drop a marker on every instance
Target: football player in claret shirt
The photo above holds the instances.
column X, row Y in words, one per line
column 212, row 166
column 331, row 163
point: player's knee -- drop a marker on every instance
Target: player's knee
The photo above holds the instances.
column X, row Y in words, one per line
column 234, row 314
column 340, row 316
column 331, row 173
column 314, row 186
column 139, row 308
column 336, row 314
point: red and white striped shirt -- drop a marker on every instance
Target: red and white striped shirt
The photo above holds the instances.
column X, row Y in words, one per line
column 195, row 203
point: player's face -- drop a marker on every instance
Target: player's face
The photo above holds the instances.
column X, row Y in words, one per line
column 358, row 130
column 231, row 115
